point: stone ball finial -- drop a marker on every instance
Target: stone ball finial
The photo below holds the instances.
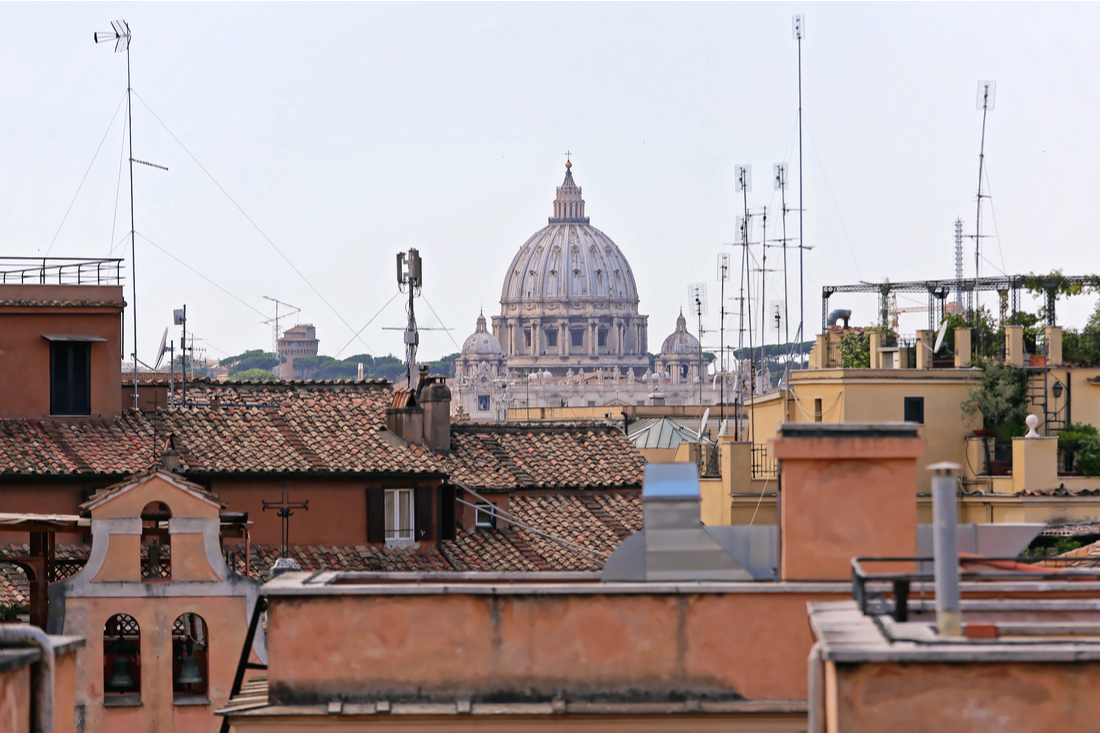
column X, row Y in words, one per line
column 1032, row 422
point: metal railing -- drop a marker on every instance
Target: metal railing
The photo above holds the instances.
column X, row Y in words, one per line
column 887, row 594
column 709, row 465
column 60, row 271
column 763, row 465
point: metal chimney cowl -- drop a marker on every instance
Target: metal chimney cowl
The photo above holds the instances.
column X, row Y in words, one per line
column 674, row 546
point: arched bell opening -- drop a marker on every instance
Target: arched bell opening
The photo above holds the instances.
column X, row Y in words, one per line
column 121, row 657
column 156, row 542
column 190, row 656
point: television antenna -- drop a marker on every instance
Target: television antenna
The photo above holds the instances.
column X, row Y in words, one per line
column 798, row 27
column 987, row 94
column 697, row 294
column 723, row 276
column 120, row 34
column 275, row 322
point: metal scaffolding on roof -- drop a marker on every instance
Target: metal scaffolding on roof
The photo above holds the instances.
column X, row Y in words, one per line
column 939, row 290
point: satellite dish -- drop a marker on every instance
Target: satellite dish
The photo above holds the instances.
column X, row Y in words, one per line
column 160, row 351
column 939, row 336
column 724, row 429
column 703, row 422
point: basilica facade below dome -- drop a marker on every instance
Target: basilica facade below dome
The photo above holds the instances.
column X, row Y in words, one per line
column 569, row 333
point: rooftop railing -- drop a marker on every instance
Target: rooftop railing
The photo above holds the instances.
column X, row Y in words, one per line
column 60, row 271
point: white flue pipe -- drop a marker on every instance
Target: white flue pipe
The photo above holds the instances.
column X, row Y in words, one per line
column 945, row 542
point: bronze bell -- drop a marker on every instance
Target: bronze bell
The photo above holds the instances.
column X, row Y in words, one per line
column 189, row 666
column 189, row 671
column 120, row 674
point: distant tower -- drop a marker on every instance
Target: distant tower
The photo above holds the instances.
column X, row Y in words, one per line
column 301, row 340
column 959, row 259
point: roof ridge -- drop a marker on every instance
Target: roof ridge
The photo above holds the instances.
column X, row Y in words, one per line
column 523, row 547
column 55, row 434
column 295, row 440
column 600, row 513
column 497, row 450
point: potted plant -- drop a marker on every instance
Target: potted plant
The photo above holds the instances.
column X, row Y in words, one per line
column 1000, row 398
column 9, row 614
column 1079, row 445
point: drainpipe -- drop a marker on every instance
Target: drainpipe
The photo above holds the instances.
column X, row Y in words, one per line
column 946, row 548
column 20, row 635
column 815, row 703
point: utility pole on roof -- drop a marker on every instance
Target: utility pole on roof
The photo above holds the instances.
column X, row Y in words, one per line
column 410, row 276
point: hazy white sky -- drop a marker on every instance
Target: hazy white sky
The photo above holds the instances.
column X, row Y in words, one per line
column 349, row 132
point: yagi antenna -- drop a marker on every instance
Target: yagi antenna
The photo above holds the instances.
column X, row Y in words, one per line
column 120, row 34
column 697, row 292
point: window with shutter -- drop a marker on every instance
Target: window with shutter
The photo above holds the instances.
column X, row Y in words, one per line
column 424, row 514
column 376, row 515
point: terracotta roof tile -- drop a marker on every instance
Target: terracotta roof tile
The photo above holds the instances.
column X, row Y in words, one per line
column 580, row 455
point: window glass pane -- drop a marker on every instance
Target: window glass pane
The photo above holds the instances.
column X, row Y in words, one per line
column 405, row 514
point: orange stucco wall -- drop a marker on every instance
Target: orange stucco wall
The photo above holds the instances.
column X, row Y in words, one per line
column 25, row 355
column 15, row 700
column 337, row 512
column 845, row 498
column 455, row 645
column 64, row 693
column 227, row 624
column 963, row 698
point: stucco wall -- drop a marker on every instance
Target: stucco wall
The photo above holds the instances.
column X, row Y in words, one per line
column 25, row 355
column 963, row 698
column 533, row 646
column 227, row 624
column 15, row 700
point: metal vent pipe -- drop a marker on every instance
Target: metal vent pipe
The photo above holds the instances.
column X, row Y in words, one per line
column 945, row 544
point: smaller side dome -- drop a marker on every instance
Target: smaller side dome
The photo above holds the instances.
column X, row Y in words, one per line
column 481, row 342
column 681, row 342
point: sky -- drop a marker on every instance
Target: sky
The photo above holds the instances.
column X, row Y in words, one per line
column 307, row 144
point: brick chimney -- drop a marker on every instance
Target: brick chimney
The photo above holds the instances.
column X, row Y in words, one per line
column 846, row 490
column 435, row 398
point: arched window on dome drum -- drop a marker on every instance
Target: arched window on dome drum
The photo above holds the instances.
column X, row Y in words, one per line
column 121, row 660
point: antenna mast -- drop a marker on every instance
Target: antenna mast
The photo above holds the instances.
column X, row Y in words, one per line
column 959, row 261
column 986, row 95
column 409, row 275
column 723, row 276
column 275, row 321
column 799, row 33
column 698, row 294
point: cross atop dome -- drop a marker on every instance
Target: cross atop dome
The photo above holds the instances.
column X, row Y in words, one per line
column 568, row 205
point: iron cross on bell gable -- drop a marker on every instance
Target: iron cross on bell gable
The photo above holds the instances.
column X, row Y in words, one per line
column 285, row 511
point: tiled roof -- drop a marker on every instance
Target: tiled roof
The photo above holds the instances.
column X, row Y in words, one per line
column 112, row 446
column 54, row 303
column 234, row 428
column 1076, row 529
column 575, row 455
column 598, row 521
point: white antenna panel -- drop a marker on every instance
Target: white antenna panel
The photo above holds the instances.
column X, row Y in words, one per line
column 744, row 178
column 723, row 267
column 742, row 234
column 987, row 94
column 775, row 315
column 697, row 292
column 779, row 172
